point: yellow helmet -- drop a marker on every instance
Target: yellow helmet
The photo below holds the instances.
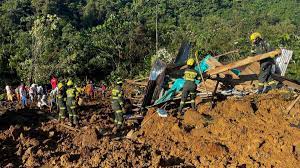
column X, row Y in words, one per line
column 60, row 85
column 254, row 36
column 190, row 62
column 70, row 83
column 119, row 81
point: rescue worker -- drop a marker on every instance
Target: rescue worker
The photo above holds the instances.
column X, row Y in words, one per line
column 71, row 102
column 79, row 95
column 267, row 66
column 118, row 103
column 189, row 87
column 61, row 101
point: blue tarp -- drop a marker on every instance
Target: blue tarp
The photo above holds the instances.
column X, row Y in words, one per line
column 179, row 82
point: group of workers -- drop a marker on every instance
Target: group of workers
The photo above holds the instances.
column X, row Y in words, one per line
column 66, row 93
column 266, row 82
column 34, row 92
column 267, row 68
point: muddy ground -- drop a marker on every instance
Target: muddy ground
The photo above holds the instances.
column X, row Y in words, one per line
column 253, row 131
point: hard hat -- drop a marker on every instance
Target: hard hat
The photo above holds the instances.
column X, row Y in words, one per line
column 60, row 85
column 254, row 36
column 190, row 62
column 70, row 83
column 119, row 81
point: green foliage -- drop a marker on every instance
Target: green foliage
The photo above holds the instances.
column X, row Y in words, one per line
column 112, row 38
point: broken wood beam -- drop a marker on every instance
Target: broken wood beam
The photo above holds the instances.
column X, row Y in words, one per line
column 227, row 53
column 288, row 82
column 292, row 104
column 243, row 62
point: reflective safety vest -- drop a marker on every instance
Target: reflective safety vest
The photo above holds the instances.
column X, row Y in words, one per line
column 117, row 93
column 190, row 75
column 61, row 93
column 71, row 92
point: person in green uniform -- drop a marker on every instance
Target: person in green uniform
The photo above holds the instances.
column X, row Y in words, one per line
column 117, row 103
column 61, row 101
column 189, row 88
column 71, row 102
column 267, row 66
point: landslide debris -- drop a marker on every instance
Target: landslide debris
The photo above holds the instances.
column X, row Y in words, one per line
column 253, row 131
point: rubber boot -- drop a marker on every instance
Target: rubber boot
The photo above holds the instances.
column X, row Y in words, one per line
column 273, row 86
column 180, row 110
column 193, row 105
column 75, row 121
column 260, row 89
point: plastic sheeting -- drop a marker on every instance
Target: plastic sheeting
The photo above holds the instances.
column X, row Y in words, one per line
column 158, row 67
column 179, row 82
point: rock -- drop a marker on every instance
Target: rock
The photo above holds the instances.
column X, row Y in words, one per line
column 51, row 134
column 64, row 160
column 9, row 165
column 89, row 138
column 32, row 162
column 193, row 118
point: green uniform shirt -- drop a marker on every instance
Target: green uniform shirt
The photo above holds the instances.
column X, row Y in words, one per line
column 117, row 94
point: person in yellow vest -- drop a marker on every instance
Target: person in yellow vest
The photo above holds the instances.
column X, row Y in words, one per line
column 71, row 102
column 267, row 65
column 117, row 103
column 189, row 88
column 61, row 101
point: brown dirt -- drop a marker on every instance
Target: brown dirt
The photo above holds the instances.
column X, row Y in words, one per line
column 253, row 131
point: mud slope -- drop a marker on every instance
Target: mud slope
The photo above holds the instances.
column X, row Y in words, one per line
column 253, row 131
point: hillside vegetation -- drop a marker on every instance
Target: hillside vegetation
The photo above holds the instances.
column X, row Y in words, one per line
column 107, row 38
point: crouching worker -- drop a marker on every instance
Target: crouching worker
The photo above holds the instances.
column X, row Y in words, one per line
column 61, row 101
column 71, row 103
column 189, row 88
column 117, row 103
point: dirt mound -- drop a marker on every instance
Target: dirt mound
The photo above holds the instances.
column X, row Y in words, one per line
column 253, row 131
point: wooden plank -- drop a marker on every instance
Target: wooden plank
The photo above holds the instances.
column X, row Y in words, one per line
column 292, row 104
column 214, row 63
column 243, row 62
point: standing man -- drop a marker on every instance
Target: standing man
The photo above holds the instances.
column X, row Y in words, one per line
column 53, row 82
column 189, row 87
column 267, row 66
column 117, row 103
column 9, row 93
column 40, row 92
column 17, row 92
column 71, row 102
column 61, row 101
column 23, row 94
